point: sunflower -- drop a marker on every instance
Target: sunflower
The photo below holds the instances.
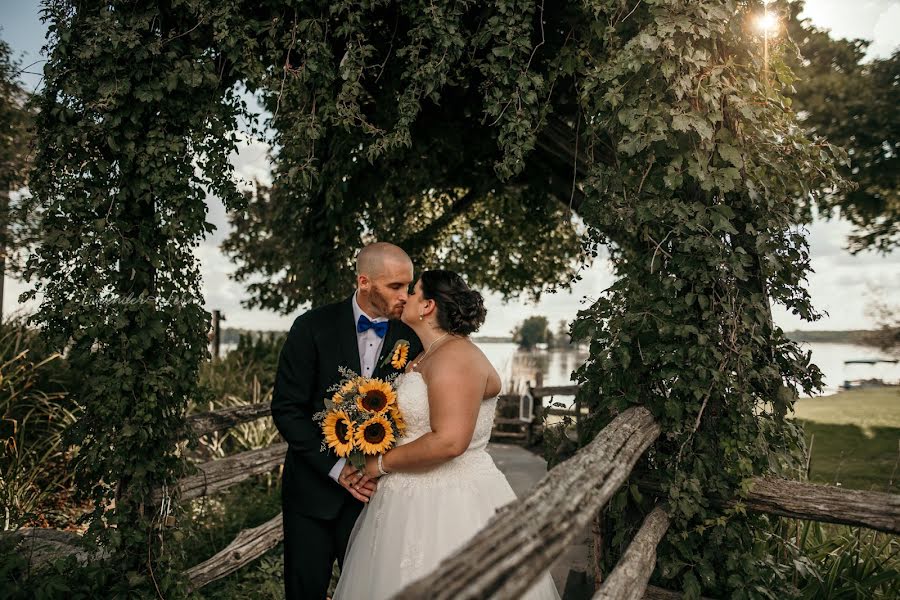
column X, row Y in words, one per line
column 375, row 436
column 350, row 384
column 398, row 419
column 401, row 353
column 375, row 396
column 338, row 430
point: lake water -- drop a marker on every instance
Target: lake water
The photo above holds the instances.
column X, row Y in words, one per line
column 517, row 367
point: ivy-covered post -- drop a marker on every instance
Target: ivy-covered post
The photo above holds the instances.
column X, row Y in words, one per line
column 137, row 119
column 699, row 213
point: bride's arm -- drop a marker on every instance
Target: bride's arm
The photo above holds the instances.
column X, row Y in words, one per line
column 455, row 392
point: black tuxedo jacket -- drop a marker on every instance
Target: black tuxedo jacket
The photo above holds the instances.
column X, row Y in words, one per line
column 320, row 341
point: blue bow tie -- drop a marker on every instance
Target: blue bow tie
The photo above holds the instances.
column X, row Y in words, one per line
column 364, row 324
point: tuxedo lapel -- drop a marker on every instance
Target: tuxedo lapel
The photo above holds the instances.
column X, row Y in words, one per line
column 386, row 348
column 349, row 343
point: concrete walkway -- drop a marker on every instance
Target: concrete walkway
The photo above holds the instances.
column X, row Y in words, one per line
column 524, row 470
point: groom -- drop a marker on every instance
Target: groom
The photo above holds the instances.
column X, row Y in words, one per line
column 322, row 495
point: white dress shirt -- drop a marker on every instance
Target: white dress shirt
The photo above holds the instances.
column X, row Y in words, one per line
column 369, row 345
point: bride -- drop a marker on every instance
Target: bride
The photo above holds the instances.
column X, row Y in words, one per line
column 438, row 487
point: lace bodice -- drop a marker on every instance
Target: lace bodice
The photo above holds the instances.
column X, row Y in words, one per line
column 412, row 398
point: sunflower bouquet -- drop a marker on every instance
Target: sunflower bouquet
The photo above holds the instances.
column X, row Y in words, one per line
column 361, row 417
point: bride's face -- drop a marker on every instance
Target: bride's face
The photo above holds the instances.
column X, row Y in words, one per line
column 415, row 305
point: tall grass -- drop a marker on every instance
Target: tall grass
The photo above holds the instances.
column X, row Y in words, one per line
column 836, row 561
column 243, row 376
column 34, row 413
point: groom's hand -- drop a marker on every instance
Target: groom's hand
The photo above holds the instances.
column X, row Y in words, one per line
column 355, row 482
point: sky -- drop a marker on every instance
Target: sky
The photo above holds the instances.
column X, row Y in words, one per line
column 841, row 285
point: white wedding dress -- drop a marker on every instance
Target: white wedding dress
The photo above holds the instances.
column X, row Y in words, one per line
column 416, row 520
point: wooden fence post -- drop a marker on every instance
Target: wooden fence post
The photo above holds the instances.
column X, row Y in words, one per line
column 217, row 317
column 537, row 406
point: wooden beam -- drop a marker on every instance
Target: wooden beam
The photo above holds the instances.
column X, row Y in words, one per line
column 557, row 390
column 628, row 580
column 517, row 435
column 825, row 503
column 249, row 545
column 557, row 143
column 562, row 412
column 217, row 420
column 526, row 536
column 814, row 502
column 220, row 474
column 42, row 546
column 509, row 421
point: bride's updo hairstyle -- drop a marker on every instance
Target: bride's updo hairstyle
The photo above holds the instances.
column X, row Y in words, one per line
column 460, row 310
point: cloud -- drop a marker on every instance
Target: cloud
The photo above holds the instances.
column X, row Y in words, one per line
column 564, row 305
column 886, row 33
column 251, row 163
column 841, row 283
column 867, row 19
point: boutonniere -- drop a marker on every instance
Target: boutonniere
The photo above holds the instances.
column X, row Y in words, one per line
column 398, row 356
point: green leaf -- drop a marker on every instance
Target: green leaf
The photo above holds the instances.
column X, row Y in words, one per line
column 731, row 154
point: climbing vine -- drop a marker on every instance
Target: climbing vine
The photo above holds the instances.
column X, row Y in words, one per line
column 137, row 119
column 699, row 211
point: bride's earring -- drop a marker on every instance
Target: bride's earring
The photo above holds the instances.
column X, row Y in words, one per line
column 421, row 317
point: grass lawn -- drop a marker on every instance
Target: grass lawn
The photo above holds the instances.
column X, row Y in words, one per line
column 855, row 438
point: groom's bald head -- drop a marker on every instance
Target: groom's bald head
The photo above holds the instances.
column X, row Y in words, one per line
column 383, row 274
column 376, row 259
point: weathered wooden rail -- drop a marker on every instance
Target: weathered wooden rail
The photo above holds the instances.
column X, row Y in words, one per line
column 629, row 579
column 249, row 545
column 218, row 420
column 825, row 503
column 528, row 535
column 220, row 474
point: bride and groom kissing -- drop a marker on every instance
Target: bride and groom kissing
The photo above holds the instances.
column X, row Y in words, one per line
column 395, row 519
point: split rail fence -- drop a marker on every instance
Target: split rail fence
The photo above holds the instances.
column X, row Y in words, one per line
column 532, row 532
column 525, row 537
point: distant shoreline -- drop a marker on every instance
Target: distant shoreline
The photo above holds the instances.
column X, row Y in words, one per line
column 855, row 336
